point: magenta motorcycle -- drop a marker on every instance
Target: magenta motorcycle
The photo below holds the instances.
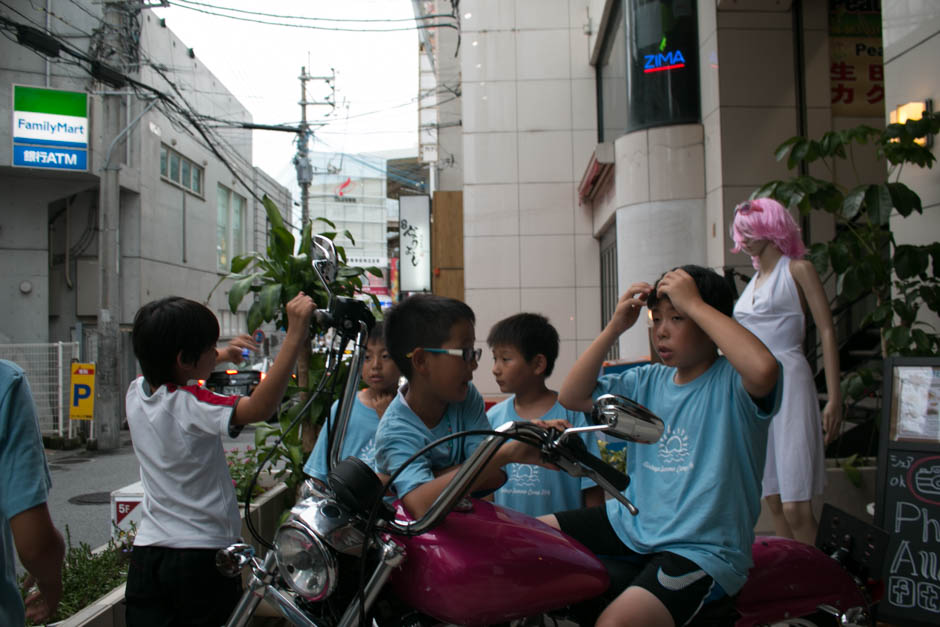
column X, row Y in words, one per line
column 344, row 557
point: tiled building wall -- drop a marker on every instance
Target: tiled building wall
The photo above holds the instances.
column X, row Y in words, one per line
column 529, row 129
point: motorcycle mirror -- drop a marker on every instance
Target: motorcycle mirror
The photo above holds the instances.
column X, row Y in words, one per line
column 324, row 259
column 626, row 419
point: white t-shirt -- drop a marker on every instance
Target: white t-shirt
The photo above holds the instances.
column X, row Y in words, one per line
column 189, row 499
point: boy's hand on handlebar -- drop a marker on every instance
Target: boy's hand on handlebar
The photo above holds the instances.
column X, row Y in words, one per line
column 516, row 452
column 299, row 311
column 629, row 306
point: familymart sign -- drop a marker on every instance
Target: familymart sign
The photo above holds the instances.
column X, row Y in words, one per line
column 50, row 128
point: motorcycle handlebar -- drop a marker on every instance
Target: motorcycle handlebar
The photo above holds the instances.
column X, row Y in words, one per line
column 580, row 454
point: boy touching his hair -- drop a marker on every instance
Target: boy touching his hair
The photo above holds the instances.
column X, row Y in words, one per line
column 698, row 489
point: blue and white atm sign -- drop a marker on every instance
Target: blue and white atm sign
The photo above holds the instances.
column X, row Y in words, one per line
column 50, row 128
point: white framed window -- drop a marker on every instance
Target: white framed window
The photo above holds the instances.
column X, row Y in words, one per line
column 231, row 215
column 177, row 169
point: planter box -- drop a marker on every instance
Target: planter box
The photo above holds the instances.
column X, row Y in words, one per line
column 839, row 491
column 108, row 611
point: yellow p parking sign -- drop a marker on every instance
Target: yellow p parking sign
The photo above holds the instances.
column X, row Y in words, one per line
column 82, row 399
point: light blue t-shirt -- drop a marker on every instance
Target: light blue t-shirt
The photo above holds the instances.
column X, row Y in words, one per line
column 535, row 490
column 24, row 477
column 359, row 442
column 698, row 489
column 401, row 433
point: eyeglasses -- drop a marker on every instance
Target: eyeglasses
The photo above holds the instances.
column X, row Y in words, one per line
column 467, row 354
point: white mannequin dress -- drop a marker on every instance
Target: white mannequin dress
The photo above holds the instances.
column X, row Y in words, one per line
column 795, row 467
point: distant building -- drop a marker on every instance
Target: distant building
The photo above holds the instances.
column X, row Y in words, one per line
column 183, row 214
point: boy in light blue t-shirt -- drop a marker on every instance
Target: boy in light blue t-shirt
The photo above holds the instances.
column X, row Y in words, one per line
column 381, row 375
column 431, row 339
column 698, row 489
column 525, row 347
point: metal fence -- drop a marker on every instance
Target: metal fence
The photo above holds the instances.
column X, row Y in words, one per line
column 47, row 366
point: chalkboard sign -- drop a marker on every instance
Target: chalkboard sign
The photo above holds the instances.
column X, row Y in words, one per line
column 908, row 498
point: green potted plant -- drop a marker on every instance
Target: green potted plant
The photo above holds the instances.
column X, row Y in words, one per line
column 864, row 256
column 274, row 278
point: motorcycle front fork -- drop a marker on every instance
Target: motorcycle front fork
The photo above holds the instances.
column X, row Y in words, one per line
column 261, row 586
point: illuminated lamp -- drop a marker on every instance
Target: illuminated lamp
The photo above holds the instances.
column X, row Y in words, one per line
column 913, row 111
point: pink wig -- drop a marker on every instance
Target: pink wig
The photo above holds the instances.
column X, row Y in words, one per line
column 767, row 219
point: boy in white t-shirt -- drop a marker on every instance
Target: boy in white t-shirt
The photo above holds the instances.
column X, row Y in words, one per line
column 189, row 507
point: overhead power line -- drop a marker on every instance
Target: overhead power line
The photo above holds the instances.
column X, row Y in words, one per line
column 182, row 4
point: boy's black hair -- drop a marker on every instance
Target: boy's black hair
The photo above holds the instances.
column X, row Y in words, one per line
column 377, row 333
column 713, row 288
column 529, row 333
column 422, row 321
column 167, row 327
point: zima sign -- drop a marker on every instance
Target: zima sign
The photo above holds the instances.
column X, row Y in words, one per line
column 662, row 61
column 82, row 392
column 50, row 128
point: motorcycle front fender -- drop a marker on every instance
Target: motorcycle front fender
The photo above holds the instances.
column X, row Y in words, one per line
column 492, row 565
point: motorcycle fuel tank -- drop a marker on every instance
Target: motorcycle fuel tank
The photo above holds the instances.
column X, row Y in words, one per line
column 491, row 565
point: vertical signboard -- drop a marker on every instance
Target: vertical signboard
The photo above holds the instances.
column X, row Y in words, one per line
column 908, row 491
column 50, row 128
column 856, row 70
column 82, row 396
column 415, row 243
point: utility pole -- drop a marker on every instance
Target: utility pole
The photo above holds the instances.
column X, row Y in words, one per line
column 108, row 392
column 302, row 158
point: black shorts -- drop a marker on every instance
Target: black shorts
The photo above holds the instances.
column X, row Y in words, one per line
column 679, row 583
column 178, row 587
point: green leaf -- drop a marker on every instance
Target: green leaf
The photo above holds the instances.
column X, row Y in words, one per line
column 910, row 261
column 240, row 262
column 853, row 474
column 296, row 454
column 350, row 236
column 840, row 256
column 255, row 316
column 262, row 431
column 274, row 216
column 330, row 223
column 306, row 239
column 270, row 299
column 282, row 243
column 818, row 254
column 853, row 202
column 878, row 199
column 898, row 339
column 238, row 291
column 784, row 148
column 904, row 199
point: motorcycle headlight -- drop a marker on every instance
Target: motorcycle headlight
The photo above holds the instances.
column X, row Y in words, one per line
column 305, row 563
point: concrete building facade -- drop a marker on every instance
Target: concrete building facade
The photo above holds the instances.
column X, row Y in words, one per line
column 577, row 183
column 188, row 205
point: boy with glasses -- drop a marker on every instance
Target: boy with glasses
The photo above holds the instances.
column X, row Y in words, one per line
column 431, row 339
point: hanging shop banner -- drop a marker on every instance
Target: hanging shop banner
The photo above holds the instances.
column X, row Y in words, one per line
column 50, row 128
column 415, row 242
column 856, row 69
column 82, row 392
